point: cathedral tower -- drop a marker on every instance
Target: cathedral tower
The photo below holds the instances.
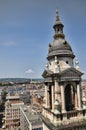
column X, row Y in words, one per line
column 62, row 102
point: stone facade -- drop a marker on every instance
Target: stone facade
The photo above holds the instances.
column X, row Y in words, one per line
column 63, row 96
column 12, row 112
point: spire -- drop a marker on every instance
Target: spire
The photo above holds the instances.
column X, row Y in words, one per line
column 58, row 27
column 57, row 21
column 57, row 15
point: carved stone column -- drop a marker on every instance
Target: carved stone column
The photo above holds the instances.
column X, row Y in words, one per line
column 79, row 96
column 76, row 103
column 56, row 90
column 53, row 98
column 56, row 102
column 48, row 97
column 63, row 99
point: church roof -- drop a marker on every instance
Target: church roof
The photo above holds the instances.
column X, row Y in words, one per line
column 60, row 47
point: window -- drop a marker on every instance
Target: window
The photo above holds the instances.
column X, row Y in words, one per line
column 67, row 62
column 38, row 129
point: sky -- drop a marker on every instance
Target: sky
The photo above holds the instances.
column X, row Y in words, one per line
column 26, row 29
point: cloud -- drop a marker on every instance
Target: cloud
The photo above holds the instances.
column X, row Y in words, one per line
column 29, row 71
column 8, row 43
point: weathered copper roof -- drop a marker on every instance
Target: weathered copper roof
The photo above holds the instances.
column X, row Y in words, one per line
column 60, row 47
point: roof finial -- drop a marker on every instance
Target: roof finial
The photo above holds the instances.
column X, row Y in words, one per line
column 77, row 64
column 57, row 15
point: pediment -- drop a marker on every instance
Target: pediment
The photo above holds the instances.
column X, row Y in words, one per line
column 70, row 74
column 47, row 73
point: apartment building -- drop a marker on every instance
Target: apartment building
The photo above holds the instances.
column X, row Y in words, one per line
column 12, row 112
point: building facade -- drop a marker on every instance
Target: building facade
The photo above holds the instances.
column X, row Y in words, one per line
column 12, row 112
column 0, row 96
column 63, row 98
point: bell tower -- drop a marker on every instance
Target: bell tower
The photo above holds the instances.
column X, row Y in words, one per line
column 62, row 101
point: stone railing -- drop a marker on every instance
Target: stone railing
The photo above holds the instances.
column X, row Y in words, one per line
column 71, row 126
column 71, row 114
column 67, row 115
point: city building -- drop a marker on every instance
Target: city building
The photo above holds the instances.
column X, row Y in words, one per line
column 25, row 97
column 0, row 96
column 12, row 112
column 37, row 102
column 29, row 120
column 63, row 108
column 83, row 87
